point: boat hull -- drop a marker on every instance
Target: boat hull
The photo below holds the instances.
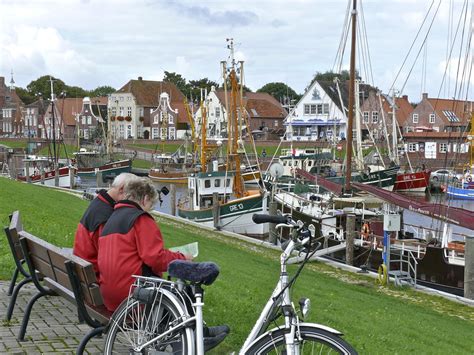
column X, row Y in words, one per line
column 460, row 193
column 113, row 169
column 178, row 178
column 413, row 182
column 50, row 178
column 234, row 216
column 384, row 179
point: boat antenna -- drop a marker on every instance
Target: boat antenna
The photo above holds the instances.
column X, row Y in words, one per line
column 53, row 98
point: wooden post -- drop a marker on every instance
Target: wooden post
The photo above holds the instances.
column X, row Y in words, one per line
column 173, row 199
column 72, row 181
column 28, row 176
column 56, row 176
column 191, row 199
column 215, row 210
column 272, row 235
column 43, row 176
column 350, row 234
column 99, row 180
column 469, row 268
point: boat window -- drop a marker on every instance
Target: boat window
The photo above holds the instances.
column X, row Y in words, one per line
column 228, row 182
column 217, row 182
column 207, row 183
column 310, row 163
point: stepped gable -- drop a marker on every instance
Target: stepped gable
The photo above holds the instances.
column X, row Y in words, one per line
column 147, row 94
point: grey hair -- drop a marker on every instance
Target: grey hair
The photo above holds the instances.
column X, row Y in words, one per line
column 123, row 179
column 137, row 189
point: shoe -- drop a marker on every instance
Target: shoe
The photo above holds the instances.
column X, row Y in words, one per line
column 216, row 330
column 213, row 336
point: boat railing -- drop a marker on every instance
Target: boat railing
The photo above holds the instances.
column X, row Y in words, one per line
column 407, row 267
column 403, row 245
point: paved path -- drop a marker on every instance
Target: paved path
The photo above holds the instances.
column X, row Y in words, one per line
column 53, row 326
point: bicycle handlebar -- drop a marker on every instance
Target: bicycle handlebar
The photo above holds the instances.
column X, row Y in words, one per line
column 265, row 218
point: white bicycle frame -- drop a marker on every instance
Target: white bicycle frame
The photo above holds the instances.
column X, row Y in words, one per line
column 291, row 320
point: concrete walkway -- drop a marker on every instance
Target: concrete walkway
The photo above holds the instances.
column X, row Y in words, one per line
column 53, row 327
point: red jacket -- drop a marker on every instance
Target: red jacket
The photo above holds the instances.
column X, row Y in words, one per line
column 130, row 244
column 88, row 230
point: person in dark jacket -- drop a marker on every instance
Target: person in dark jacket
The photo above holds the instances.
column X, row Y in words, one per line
column 93, row 220
column 131, row 244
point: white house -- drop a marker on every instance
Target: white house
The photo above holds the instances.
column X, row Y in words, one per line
column 319, row 114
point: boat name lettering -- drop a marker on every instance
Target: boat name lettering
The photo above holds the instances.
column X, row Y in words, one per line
column 237, row 207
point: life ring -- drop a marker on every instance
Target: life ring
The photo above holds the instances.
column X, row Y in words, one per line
column 469, row 178
column 382, row 275
column 365, row 231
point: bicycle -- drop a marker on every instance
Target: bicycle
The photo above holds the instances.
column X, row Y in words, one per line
column 162, row 316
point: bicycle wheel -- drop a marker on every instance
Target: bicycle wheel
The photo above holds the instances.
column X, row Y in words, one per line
column 135, row 323
column 314, row 341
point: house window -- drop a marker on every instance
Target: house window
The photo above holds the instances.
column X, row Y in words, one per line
column 121, row 98
column 319, row 109
column 121, row 111
column 326, row 109
column 83, row 119
column 366, row 116
column 207, row 183
column 141, row 111
column 415, row 118
column 129, row 111
column 276, row 123
column 172, row 133
column 306, row 109
column 154, row 133
column 89, row 120
column 155, row 119
column 170, row 119
column 412, row 147
column 218, row 112
column 432, row 118
column 443, row 147
column 375, row 117
column 129, row 98
column 114, row 111
column 313, row 109
column 121, row 131
column 163, row 132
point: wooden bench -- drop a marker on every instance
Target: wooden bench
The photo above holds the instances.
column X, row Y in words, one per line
column 66, row 275
column 17, row 253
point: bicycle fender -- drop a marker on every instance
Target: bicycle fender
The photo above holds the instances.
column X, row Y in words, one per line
column 310, row 325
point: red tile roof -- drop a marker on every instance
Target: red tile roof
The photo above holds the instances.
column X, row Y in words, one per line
column 69, row 107
column 462, row 110
column 147, row 94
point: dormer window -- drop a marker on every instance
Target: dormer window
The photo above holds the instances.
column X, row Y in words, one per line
column 415, row 118
column 432, row 118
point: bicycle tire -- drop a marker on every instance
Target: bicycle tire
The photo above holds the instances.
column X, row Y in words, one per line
column 134, row 323
column 314, row 341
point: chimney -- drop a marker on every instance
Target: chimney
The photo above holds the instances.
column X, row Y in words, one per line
column 405, row 97
column 140, row 78
column 2, row 81
column 424, row 96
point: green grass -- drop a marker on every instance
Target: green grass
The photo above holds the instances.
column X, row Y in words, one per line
column 375, row 320
column 141, row 164
column 65, row 150
column 13, row 143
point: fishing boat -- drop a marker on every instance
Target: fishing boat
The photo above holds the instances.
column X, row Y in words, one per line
column 219, row 198
column 416, row 181
column 40, row 170
column 49, row 170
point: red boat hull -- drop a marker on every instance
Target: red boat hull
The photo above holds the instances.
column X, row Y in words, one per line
column 417, row 181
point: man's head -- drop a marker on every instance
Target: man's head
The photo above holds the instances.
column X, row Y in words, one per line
column 141, row 191
column 116, row 191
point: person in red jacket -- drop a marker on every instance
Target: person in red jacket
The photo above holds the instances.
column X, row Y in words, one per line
column 93, row 220
column 131, row 244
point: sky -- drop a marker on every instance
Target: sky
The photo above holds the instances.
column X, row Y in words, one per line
column 90, row 43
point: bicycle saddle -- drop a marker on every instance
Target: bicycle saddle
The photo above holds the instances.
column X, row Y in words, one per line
column 199, row 273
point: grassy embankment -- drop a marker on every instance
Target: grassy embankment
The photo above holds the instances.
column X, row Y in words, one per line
column 374, row 319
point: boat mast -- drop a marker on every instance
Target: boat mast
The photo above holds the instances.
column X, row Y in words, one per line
column 203, row 135
column 394, row 130
column 55, row 158
column 347, row 185
column 234, row 158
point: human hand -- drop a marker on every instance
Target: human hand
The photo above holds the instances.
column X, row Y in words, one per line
column 188, row 257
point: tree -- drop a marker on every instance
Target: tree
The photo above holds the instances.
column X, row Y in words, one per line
column 42, row 86
column 330, row 75
column 25, row 96
column 75, row 91
column 102, row 91
column 177, row 79
column 280, row 91
column 194, row 87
